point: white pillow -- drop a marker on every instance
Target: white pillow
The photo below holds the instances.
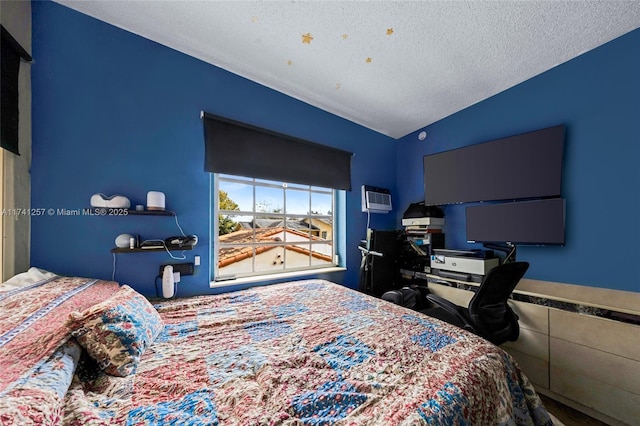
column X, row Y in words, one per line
column 26, row 278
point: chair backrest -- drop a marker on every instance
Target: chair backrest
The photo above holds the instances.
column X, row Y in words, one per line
column 488, row 308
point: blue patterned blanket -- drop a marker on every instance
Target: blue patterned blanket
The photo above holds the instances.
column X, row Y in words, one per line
column 300, row 353
column 308, row 352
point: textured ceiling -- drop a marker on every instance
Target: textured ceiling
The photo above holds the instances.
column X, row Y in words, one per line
column 393, row 67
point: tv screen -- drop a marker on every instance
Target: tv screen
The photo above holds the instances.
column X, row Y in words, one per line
column 539, row 222
column 522, row 166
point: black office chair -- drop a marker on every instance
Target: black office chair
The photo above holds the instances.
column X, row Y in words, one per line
column 488, row 314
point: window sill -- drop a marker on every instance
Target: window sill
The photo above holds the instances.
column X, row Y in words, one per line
column 272, row 277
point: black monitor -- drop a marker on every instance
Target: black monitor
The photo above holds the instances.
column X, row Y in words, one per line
column 524, row 166
column 539, row 222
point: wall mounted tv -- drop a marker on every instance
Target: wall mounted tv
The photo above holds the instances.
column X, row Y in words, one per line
column 528, row 165
column 539, row 222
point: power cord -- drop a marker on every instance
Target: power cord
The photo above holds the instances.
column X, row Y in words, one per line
column 113, row 271
column 156, row 283
column 178, row 224
column 183, row 256
column 164, row 245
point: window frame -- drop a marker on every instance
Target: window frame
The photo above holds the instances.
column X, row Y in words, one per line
column 255, row 275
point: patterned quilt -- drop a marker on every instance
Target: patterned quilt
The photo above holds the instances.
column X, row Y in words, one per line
column 37, row 357
column 307, row 352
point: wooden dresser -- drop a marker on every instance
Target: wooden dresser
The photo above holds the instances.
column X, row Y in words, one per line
column 579, row 345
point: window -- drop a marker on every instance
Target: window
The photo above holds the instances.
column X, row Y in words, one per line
column 266, row 227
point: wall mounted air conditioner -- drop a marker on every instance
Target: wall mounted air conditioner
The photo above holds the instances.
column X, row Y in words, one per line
column 376, row 200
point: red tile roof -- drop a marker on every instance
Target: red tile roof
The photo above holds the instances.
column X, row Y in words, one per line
column 230, row 255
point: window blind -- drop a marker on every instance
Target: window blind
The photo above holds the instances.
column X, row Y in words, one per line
column 11, row 53
column 240, row 149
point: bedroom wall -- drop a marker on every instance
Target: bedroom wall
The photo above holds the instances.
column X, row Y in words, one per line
column 15, row 16
column 597, row 97
column 117, row 113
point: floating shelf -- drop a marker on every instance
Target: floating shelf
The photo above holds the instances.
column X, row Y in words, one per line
column 151, row 212
column 132, row 212
column 139, row 250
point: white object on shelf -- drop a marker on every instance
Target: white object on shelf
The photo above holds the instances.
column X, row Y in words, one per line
column 114, row 201
column 155, row 200
column 122, row 240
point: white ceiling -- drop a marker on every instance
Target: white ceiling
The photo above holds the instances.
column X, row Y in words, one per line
column 391, row 66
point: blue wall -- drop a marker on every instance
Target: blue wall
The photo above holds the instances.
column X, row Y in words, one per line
column 116, row 113
column 597, row 97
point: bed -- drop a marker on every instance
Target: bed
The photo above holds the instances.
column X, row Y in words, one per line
column 78, row 351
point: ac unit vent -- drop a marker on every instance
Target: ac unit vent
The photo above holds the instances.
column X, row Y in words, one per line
column 376, row 200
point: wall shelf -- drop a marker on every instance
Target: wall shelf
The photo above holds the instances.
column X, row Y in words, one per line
column 131, row 212
column 151, row 212
column 139, row 250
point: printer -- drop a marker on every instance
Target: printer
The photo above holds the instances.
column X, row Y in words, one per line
column 463, row 265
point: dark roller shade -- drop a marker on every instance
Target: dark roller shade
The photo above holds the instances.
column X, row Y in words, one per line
column 11, row 53
column 239, row 149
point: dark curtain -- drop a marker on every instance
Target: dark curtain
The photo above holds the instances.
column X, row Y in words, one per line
column 239, row 149
column 11, row 53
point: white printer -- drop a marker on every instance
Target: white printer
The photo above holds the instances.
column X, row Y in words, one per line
column 463, row 265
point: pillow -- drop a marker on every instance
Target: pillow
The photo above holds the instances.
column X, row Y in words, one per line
column 116, row 332
column 33, row 275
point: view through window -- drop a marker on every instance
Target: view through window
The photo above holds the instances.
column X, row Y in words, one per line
column 269, row 227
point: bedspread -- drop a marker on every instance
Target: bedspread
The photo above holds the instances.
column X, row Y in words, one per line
column 37, row 360
column 308, row 352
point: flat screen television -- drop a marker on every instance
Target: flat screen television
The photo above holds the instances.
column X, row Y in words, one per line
column 539, row 222
column 528, row 165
